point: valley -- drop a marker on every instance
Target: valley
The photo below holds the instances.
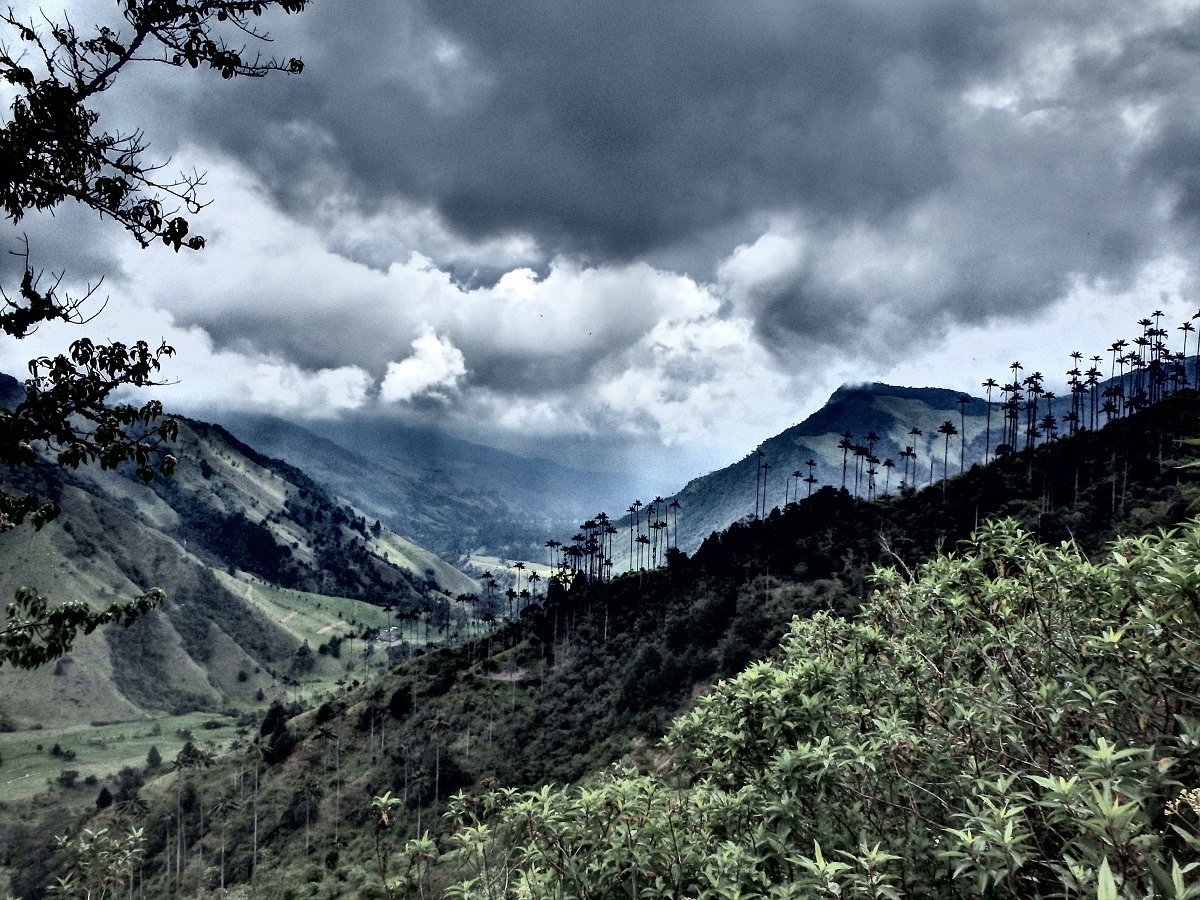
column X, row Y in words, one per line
column 311, row 664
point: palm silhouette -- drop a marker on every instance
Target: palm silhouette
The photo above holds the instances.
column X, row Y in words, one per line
column 987, row 442
column 947, row 428
column 221, row 810
column 963, row 400
column 1186, row 328
column 758, row 466
column 914, row 433
column 845, row 445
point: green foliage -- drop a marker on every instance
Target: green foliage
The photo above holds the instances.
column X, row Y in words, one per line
column 35, row 633
column 99, row 865
column 276, row 741
column 1013, row 720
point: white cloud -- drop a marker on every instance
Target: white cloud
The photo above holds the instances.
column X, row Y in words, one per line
column 434, row 368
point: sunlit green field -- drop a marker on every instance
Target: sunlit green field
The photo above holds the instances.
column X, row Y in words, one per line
column 29, row 767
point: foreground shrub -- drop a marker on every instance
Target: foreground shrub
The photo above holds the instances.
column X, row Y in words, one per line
column 1012, row 720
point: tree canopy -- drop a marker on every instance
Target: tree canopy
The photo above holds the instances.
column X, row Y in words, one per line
column 54, row 148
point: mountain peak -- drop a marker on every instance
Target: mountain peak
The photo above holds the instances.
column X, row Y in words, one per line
column 940, row 398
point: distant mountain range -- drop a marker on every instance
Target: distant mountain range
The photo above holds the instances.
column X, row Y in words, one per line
column 457, row 499
column 453, row 497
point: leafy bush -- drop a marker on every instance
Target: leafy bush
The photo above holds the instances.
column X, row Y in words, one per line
column 1013, row 720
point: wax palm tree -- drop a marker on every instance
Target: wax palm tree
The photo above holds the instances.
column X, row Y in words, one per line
column 675, row 507
column 632, row 510
column 888, row 465
column 797, row 474
column 1196, row 368
column 660, row 519
column 758, row 464
column 947, row 428
column 914, row 433
column 872, row 440
column 658, row 527
column 811, row 478
column 132, row 807
column 988, row 385
column 642, row 542
column 860, row 454
column 1049, row 427
column 962, row 402
column 1093, row 382
column 189, row 757
column 220, row 811
column 845, row 445
column 1115, row 349
column 1015, row 399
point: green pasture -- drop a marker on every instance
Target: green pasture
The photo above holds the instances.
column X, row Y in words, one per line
column 308, row 617
column 27, row 766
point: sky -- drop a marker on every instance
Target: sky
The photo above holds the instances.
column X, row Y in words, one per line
column 652, row 235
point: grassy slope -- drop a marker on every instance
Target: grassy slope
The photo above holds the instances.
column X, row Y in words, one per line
column 117, row 538
column 99, row 750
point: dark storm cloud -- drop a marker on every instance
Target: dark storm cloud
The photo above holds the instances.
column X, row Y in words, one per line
column 72, row 244
column 615, row 129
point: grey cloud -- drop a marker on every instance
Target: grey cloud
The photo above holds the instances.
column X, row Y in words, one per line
column 616, row 130
column 1060, row 189
column 620, row 128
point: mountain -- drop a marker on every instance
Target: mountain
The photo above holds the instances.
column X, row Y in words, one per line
column 451, row 496
column 257, row 560
column 714, row 501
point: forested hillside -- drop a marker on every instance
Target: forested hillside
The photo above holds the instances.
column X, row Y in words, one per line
column 599, row 672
